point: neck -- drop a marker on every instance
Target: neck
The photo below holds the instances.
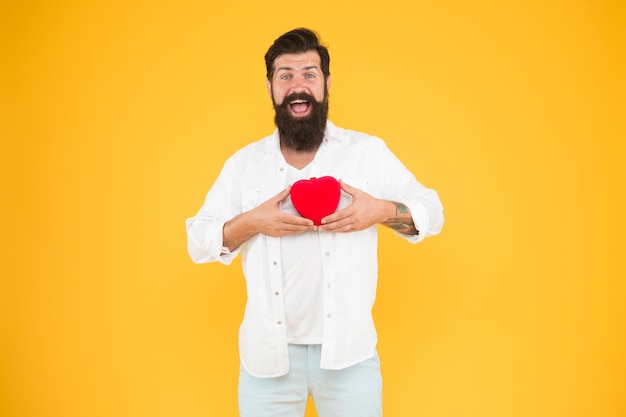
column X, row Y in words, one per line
column 297, row 159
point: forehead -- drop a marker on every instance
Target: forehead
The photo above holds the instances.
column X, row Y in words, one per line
column 309, row 59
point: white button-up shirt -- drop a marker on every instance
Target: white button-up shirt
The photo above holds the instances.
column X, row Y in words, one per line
column 256, row 173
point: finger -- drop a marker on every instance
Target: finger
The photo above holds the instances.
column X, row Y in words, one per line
column 293, row 229
column 334, row 218
column 336, row 227
column 296, row 220
column 282, row 196
column 335, row 221
column 348, row 188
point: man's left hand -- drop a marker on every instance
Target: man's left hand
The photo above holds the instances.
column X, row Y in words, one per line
column 363, row 212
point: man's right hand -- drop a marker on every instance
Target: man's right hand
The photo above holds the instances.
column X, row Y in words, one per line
column 266, row 219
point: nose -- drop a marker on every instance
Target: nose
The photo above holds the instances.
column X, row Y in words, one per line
column 298, row 85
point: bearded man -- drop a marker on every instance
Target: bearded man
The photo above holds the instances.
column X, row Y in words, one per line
column 308, row 329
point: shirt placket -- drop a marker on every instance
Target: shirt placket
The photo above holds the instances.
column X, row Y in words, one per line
column 276, row 285
column 328, row 276
column 327, row 255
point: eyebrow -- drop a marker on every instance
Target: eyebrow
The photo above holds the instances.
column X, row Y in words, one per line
column 310, row 67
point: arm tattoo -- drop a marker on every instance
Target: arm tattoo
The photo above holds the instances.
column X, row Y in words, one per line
column 403, row 224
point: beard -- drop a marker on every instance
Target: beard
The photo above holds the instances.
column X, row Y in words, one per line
column 303, row 134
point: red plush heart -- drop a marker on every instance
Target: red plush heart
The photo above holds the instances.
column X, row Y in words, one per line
column 316, row 198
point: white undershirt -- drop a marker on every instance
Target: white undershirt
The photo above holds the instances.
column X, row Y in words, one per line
column 302, row 275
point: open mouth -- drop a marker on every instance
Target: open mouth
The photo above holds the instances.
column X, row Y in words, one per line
column 299, row 107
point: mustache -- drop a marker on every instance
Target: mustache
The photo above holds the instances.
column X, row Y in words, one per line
column 296, row 96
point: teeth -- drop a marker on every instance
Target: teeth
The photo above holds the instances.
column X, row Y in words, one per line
column 298, row 101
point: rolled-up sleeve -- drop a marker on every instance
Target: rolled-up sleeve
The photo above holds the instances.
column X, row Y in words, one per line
column 427, row 213
column 400, row 185
column 204, row 242
column 205, row 231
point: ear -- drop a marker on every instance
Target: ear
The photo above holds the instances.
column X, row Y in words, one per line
column 268, row 84
column 328, row 83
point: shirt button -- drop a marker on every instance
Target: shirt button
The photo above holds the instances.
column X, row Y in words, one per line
column 327, row 253
column 275, row 263
column 330, row 316
column 328, row 285
column 280, row 322
column 276, row 293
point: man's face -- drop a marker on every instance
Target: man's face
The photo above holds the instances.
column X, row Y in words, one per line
column 296, row 74
column 300, row 96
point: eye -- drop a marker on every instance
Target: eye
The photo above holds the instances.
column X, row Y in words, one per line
column 310, row 75
column 285, row 77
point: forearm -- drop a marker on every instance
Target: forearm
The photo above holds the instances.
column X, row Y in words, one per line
column 398, row 217
column 238, row 230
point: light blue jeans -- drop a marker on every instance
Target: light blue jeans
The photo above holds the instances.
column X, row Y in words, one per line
column 355, row 391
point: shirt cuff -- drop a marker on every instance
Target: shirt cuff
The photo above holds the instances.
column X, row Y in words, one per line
column 420, row 220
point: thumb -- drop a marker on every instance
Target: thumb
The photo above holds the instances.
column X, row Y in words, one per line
column 348, row 188
column 283, row 194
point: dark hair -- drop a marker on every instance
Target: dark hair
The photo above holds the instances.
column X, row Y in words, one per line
column 297, row 41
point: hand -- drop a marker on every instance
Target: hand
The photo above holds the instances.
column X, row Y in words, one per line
column 266, row 219
column 363, row 212
column 269, row 220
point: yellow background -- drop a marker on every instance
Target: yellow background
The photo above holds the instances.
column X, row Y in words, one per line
column 116, row 117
